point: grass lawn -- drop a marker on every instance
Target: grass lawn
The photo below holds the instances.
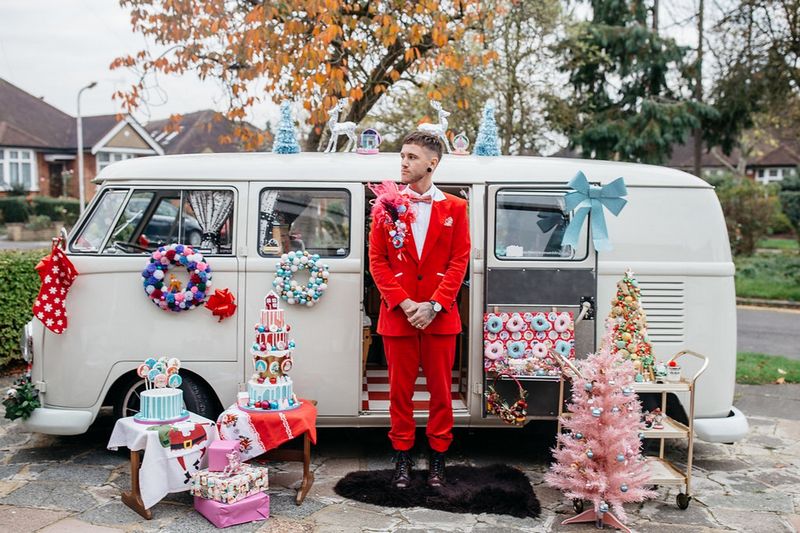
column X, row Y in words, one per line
column 758, row 369
column 779, row 244
column 774, row 276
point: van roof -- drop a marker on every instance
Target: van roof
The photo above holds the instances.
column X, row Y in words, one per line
column 351, row 167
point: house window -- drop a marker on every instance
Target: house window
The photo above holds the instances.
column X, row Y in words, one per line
column 760, row 172
column 106, row 158
column 18, row 169
column 773, row 173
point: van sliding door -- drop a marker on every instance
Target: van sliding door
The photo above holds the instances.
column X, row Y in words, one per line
column 324, row 219
column 529, row 271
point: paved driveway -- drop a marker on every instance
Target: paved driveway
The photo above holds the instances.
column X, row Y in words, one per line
column 73, row 483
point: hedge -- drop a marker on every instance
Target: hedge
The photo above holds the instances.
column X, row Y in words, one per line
column 54, row 207
column 14, row 209
column 19, row 285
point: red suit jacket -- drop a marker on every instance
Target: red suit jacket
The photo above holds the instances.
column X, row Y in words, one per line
column 437, row 275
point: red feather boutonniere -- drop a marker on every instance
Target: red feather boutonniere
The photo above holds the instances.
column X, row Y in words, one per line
column 393, row 210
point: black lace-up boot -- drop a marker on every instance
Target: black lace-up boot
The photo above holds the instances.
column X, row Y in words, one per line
column 436, row 470
column 402, row 470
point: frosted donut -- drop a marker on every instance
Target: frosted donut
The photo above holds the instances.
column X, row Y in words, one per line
column 562, row 322
column 540, row 323
column 515, row 323
column 539, row 349
column 494, row 323
column 563, row 348
column 493, row 350
column 516, row 349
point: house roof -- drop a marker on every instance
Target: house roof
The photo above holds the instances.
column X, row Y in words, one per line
column 28, row 121
column 199, row 132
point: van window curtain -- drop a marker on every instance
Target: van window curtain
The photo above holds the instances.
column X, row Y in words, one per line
column 211, row 208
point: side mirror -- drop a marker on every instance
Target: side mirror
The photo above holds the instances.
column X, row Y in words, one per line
column 63, row 237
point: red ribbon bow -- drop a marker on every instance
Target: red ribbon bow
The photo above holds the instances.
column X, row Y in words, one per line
column 221, row 304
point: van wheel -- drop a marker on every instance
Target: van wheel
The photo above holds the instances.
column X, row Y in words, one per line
column 196, row 398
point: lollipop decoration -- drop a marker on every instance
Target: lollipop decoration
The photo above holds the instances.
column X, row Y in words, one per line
column 161, row 373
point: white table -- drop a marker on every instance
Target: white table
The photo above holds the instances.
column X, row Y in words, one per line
column 172, row 453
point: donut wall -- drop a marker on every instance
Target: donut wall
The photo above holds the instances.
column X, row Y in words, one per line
column 521, row 342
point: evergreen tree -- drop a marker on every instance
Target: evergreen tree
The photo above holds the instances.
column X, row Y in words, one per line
column 623, row 106
column 487, row 142
column 285, row 140
column 627, row 325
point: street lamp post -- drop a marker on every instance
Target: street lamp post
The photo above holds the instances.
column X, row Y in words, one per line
column 81, row 193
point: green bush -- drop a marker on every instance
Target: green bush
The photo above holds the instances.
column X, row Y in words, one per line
column 19, row 285
column 56, row 208
column 749, row 209
column 14, row 209
column 37, row 222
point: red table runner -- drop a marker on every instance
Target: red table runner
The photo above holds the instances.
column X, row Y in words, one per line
column 261, row 431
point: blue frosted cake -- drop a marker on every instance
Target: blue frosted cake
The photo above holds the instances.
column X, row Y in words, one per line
column 162, row 401
column 270, row 388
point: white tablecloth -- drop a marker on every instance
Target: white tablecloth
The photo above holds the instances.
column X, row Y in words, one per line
column 172, row 453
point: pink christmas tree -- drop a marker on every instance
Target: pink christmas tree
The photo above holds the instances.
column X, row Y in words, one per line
column 598, row 456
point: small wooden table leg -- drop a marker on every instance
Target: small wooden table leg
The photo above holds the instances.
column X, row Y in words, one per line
column 308, row 475
column 133, row 499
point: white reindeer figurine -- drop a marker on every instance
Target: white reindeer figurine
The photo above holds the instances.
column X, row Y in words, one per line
column 440, row 129
column 340, row 128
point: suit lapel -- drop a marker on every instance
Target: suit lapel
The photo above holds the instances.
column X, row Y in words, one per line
column 434, row 228
column 410, row 245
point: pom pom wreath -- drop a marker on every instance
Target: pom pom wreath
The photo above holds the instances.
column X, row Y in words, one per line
column 292, row 292
column 173, row 297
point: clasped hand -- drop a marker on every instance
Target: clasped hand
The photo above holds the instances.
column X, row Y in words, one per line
column 419, row 314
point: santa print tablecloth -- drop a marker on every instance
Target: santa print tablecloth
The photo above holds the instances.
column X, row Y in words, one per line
column 261, row 431
column 172, row 453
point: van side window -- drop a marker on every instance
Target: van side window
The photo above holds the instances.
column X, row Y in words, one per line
column 315, row 220
column 153, row 218
column 94, row 231
column 530, row 225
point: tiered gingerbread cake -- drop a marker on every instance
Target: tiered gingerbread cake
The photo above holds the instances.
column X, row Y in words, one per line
column 270, row 387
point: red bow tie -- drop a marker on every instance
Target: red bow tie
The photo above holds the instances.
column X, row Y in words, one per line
column 426, row 199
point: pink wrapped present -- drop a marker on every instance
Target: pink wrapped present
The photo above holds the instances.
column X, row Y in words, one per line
column 218, row 452
column 251, row 509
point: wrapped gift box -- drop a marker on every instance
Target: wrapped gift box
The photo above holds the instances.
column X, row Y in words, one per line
column 250, row 509
column 218, row 452
column 226, row 488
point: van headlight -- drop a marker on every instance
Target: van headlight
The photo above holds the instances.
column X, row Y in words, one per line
column 26, row 342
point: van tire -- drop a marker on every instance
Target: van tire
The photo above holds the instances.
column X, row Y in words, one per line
column 196, row 397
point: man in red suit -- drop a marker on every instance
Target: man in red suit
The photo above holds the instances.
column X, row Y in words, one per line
column 419, row 318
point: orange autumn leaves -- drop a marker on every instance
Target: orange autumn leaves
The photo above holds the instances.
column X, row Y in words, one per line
column 313, row 51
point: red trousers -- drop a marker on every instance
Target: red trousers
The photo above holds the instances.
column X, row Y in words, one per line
column 404, row 355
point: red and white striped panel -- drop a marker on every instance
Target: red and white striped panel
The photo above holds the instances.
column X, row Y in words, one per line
column 375, row 392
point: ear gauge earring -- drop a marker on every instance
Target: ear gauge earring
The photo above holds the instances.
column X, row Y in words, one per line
column 430, row 169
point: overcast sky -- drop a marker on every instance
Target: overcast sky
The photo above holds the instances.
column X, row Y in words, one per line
column 52, row 48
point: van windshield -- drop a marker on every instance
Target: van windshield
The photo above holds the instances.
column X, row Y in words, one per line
column 94, row 231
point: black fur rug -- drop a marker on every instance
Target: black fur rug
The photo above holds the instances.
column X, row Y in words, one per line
column 497, row 489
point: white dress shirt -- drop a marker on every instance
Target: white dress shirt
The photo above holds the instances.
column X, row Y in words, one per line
column 422, row 217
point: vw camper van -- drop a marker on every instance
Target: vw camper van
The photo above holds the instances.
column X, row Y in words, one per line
column 251, row 208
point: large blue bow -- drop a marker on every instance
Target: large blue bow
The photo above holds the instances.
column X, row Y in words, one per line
column 585, row 198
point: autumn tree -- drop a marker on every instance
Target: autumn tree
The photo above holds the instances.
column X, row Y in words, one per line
column 523, row 71
column 313, row 51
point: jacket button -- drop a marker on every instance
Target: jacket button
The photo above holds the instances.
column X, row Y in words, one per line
column 419, row 277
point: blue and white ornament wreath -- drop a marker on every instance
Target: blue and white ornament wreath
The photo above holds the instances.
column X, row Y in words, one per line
column 294, row 293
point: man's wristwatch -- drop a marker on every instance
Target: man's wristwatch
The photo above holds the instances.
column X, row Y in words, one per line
column 436, row 306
